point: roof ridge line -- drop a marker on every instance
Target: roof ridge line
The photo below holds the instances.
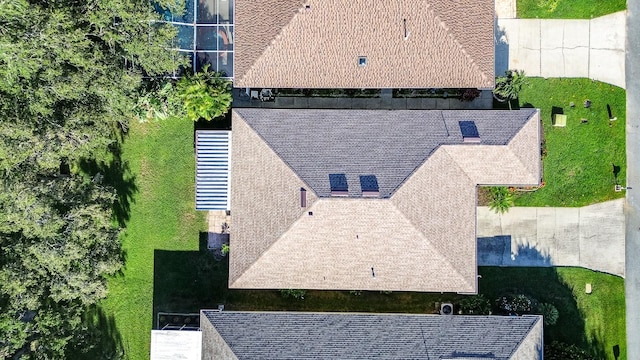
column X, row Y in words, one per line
column 253, row 130
column 443, row 256
column 276, row 312
column 266, row 250
column 455, row 41
column 272, row 150
column 515, row 153
column 527, row 334
column 273, row 40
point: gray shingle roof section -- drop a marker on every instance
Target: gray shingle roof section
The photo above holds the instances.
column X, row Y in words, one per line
column 291, row 335
column 384, row 143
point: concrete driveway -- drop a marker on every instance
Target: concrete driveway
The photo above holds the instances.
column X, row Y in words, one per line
column 592, row 49
column 591, row 237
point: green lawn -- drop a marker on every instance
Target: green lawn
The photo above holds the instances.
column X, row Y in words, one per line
column 595, row 322
column 160, row 165
column 567, row 9
column 578, row 166
column 168, row 270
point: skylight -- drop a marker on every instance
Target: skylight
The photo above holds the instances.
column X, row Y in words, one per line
column 469, row 132
column 338, row 184
column 362, row 61
column 369, row 185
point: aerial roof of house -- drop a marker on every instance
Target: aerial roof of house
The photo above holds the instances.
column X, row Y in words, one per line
column 369, row 199
column 364, row 44
column 297, row 335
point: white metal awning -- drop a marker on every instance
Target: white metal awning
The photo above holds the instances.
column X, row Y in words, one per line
column 213, row 169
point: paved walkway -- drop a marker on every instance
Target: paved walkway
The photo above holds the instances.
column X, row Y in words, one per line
column 591, row 237
column 564, row 48
column 218, row 222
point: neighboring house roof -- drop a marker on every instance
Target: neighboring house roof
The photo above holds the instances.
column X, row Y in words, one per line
column 417, row 234
column 296, row 335
column 407, row 44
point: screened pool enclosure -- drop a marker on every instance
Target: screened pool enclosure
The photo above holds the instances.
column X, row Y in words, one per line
column 205, row 33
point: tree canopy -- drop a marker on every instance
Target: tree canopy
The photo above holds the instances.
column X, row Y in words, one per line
column 70, row 72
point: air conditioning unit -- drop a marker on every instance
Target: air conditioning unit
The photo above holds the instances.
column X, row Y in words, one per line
column 446, row 309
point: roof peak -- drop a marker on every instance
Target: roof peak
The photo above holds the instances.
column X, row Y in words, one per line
column 404, row 48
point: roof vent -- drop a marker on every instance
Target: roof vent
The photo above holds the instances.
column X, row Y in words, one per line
column 369, row 186
column 307, row 7
column 339, row 186
column 406, row 33
column 469, row 132
column 362, row 61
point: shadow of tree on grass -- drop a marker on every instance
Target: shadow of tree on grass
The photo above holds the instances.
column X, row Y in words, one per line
column 187, row 281
column 546, row 286
column 102, row 338
column 116, row 173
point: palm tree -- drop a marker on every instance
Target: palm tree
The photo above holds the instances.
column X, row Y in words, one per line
column 508, row 87
column 501, row 199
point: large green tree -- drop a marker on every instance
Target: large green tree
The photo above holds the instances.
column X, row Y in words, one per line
column 69, row 74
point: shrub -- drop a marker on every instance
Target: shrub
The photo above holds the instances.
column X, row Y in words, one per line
column 293, row 293
column 476, row 305
column 470, row 94
column 514, row 305
column 549, row 312
column 561, row 351
column 203, row 95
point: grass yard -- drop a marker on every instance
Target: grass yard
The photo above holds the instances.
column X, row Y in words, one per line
column 160, row 166
column 595, row 322
column 567, row 9
column 580, row 159
column 168, row 270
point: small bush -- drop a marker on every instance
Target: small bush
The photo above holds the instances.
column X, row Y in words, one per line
column 561, row 351
column 293, row 293
column 470, row 94
column 475, row 305
column 549, row 312
column 514, row 305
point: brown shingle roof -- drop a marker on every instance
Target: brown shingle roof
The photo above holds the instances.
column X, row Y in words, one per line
column 282, row 44
column 419, row 238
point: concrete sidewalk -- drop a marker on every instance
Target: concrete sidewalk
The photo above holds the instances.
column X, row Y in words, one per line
column 591, row 237
column 593, row 48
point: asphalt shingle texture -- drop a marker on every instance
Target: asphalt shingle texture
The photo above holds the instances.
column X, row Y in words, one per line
column 387, row 144
column 287, row 335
